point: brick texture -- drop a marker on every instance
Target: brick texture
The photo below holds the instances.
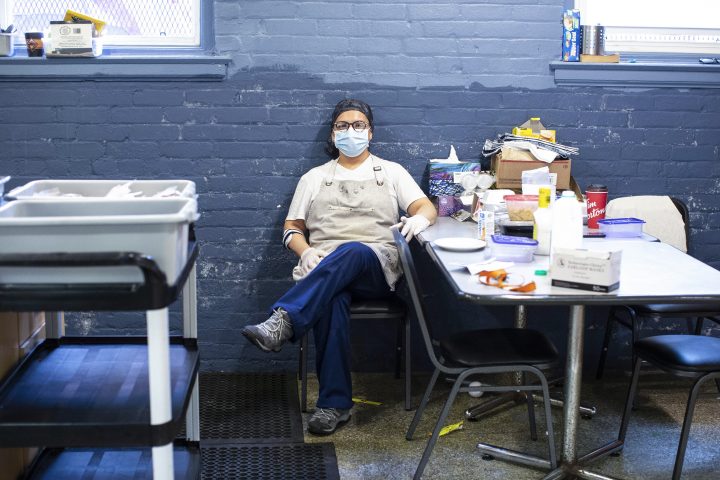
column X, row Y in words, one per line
column 436, row 74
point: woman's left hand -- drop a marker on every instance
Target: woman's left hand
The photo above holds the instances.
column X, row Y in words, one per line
column 411, row 226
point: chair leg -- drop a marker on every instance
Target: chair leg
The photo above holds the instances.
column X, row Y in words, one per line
column 606, row 343
column 635, row 328
column 438, row 426
column 399, row 349
column 699, row 325
column 548, row 420
column 408, row 364
column 423, row 404
column 303, row 373
column 629, row 401
column 531, row 411
column 685, row 433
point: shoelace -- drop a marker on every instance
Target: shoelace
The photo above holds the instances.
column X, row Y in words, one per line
column 274, row 325
column 328, row 414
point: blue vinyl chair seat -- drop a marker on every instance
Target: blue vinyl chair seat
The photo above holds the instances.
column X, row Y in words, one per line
column 689, row 353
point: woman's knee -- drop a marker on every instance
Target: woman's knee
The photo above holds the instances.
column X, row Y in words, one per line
column 355, row 248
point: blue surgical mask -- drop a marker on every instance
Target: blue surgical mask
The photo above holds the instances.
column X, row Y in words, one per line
column 352, row 143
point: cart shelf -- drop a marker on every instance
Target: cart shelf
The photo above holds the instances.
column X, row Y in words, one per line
column 114, row 464
column 153, row 293
column 92, row 391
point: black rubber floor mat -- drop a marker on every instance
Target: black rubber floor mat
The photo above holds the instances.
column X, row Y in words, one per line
column 249, row 408
column 298, row 461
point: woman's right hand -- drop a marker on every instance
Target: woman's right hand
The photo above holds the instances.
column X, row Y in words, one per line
column 310, row 259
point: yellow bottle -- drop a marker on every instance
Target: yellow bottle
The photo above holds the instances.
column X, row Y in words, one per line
column 542, row 222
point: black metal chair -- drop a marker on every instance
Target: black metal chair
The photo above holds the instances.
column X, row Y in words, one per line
column 388, row 309
column 631, row 316
column 690, row 356
column 474, row 352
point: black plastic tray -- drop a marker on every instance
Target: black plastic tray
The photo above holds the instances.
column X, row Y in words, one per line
column 92, row 392
column 115, row 464
column 152, row 294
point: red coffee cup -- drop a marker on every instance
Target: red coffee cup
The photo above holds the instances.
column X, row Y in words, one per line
column 596, row 201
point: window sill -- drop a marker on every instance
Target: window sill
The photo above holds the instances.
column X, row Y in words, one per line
column 116, row 68
column 640, row 74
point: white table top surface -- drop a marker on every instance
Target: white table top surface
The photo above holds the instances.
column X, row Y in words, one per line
column 651, row 272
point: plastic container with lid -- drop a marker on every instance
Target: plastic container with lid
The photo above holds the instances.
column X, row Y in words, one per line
column 621, row 227
column 513, row 249
column 521, row 207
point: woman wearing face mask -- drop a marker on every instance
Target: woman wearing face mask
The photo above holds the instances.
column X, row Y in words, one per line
column 346, row 208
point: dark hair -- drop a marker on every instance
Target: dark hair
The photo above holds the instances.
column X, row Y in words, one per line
column 344, row 106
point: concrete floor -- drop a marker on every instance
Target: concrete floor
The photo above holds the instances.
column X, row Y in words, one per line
column 372, row 444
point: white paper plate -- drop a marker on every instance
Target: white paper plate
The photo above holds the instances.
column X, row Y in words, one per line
column 460, row 244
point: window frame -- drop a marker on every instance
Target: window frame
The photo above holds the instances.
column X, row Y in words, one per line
column 124, row 63
column 132, row 42
column 641, row 69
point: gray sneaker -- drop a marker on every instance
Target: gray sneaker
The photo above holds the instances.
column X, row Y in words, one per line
column 325, row 421
column 270, row 335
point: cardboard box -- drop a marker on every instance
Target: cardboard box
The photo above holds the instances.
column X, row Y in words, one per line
column 19, row 333
column 597, row 271
column 572, row 36
column 509, row 164
column 70, row 38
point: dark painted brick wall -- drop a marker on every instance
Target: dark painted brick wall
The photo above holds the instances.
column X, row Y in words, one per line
column 436, row 73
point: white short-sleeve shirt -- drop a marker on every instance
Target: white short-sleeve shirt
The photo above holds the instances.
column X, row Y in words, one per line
column 403, row 188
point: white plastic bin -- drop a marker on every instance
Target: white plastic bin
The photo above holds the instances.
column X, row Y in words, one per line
column 154, row 227
column 73, row 189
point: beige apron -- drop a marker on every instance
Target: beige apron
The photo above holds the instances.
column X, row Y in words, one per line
column 356, row 211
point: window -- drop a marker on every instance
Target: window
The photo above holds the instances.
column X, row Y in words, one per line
column 130, row 23
column 656, row 26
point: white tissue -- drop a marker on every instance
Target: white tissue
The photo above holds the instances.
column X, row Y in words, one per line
column 122, row 191
column 452, row 158
column 168, row 192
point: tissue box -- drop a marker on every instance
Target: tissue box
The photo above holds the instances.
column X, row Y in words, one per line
column 71, row 39
column 509, row 164
column 597, row 271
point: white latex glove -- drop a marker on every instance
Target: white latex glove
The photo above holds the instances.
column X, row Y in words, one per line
column 411, row 226
column 310, row 259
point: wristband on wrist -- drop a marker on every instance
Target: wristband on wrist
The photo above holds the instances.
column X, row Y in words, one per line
column 287, row 236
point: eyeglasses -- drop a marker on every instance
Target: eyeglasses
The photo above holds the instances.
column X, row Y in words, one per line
column 358, row 126
column 709, row 61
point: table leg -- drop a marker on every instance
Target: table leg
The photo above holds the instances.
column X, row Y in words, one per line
column 573, row 379
column 158, row 339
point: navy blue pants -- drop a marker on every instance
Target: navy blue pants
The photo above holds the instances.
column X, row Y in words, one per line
column 321, row 301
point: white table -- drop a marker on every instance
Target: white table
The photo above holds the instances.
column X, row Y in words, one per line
column 652, row 272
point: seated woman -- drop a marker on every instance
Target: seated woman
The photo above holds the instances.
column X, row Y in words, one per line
column 347, row 206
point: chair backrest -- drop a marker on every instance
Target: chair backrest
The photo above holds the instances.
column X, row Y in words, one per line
column 685, row 214
column 415, row 289
column 666, row 218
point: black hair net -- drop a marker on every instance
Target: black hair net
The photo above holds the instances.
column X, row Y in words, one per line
column 344, row 106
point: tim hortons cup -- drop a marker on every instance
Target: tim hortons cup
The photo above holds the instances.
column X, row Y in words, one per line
column 596, row 201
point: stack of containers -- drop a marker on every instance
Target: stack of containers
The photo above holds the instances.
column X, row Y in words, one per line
column 79, row 216
column 60, row 218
